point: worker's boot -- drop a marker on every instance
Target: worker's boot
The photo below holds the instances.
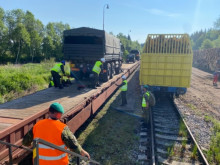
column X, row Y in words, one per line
column 61, row 86
column 69, row 82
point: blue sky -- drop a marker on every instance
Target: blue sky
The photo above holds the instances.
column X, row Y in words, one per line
column 136, row 17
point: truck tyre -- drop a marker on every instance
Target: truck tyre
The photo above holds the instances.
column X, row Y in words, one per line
column 118, row 69
column 107, row 75
column 112, row 69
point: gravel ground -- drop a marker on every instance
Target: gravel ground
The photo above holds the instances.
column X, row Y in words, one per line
column 201, row 99
column 200, row 129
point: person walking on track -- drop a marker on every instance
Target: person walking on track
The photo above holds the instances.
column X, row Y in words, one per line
column 56, row 132
column 55, row 73
column 96, row 71
column 123, row 87
column 148, row 100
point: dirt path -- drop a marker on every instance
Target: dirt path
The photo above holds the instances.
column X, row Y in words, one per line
column 202, row 94
column 200, row 101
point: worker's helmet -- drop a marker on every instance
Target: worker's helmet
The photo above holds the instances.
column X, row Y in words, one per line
column 123, row 77
column 102, row 59
column 146, row 86
column 63, row 62
column 56, row 107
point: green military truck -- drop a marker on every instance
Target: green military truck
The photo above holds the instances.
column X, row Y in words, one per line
column 84, row 46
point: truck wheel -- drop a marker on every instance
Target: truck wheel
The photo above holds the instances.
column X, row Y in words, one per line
column 107, row 75
column 118, row 69
column 112, row 69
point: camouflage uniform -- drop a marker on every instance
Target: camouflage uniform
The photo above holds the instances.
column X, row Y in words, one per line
column 151, row 102
column 67, row 136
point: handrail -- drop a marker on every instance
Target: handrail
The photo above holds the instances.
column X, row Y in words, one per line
column 36, row 151
column 10, row 151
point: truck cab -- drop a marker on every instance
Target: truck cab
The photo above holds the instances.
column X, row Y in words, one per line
column 136, row 53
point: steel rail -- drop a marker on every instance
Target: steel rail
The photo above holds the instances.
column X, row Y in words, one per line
column 152, row 139
column 191, row 135
column 36, row 151
column 175, row 109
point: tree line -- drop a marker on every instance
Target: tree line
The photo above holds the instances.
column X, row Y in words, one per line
column 205, row 39
column 24, row 39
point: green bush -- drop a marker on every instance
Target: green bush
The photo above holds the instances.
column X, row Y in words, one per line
column 213, row 153
column 16, row 79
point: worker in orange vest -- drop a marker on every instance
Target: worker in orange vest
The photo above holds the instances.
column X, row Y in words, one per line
column 56, row 132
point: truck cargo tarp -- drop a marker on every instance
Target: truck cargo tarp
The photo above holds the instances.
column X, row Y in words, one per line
column 112, row 44
column 87, row 43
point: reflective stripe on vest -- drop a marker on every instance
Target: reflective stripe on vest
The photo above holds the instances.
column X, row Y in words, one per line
column 124, row 87
column 96, row 67
column 48, row 147
column 57, row 68
column 51, row 131
column 144, row 103
column 52, row 157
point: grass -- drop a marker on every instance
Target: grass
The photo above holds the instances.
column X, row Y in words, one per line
column 213, row 154
column 19, row 80
column 194, row 152
column 208, row 118
column 170, row 151
column 191, row 106
column 110, row 137
column 183, row 133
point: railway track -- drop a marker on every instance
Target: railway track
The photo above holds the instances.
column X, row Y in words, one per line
column 79, row 107
column 172, row 141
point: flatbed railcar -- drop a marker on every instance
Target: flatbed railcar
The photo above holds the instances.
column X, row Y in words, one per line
column 19, row 116
column 166, row 63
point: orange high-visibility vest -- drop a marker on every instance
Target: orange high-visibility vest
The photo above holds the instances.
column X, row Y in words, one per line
column 51, row 131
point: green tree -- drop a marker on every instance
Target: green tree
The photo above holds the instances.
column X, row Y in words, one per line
column 17, row 33
column 34, row 29
column 55, row 32
column 198, row 42
column 4, row 45
column 20, row 38
column 217, row 42
column 207, row 44
column 217, row 24
column 48, row 47
column 128, row 44
column 212, row 34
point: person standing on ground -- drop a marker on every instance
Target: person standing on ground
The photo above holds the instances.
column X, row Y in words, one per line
column 148, row 100
column 55, row 73
column 216, row 73
column 123, row 87
column 215, row 78
column 56, row 132
column 96, row 71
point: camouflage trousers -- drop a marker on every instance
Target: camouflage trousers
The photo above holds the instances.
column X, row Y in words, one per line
column 146, row 114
